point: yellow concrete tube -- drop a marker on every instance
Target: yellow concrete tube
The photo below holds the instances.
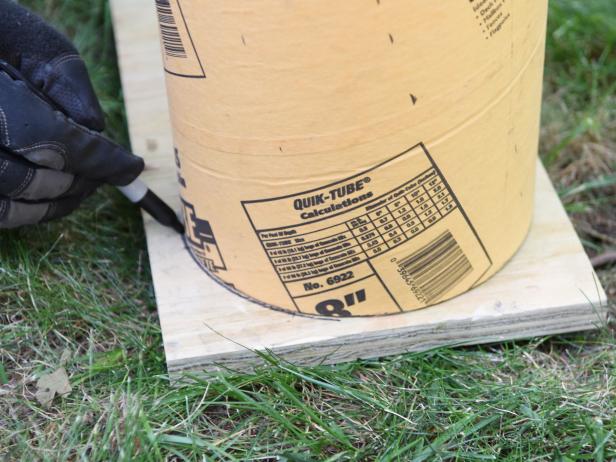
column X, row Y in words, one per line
column 354, row 158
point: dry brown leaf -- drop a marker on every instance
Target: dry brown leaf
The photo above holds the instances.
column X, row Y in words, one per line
column 50, row 385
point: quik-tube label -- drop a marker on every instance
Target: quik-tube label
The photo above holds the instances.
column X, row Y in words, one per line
column 364, row 241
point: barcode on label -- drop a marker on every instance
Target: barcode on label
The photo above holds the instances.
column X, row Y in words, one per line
column 172, row 41
column 435, row 268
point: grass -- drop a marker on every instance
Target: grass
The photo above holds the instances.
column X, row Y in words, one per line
column 83, row 285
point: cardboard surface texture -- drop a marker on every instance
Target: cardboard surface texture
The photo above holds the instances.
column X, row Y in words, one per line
column 354, row 159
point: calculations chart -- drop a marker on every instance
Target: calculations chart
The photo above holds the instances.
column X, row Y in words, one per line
column 363, row 238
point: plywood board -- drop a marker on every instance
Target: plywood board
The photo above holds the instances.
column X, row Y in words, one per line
column 548, row 287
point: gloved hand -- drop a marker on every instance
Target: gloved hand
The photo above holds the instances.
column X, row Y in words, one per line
column 52, row 155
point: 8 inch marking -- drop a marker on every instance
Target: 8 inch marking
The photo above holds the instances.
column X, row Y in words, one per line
column 335, row 307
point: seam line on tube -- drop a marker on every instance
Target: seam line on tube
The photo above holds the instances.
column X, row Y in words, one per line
column 500, row 96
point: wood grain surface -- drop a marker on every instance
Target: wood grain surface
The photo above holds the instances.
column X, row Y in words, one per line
column 548, row 287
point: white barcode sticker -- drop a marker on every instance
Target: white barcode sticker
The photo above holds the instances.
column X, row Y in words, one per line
column 180, row 56
column 348, row 247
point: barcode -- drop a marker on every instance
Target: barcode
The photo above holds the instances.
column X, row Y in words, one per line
column 172, row 42
column 436, row 268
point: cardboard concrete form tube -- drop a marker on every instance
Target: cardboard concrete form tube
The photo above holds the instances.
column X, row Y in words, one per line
column 354, row 158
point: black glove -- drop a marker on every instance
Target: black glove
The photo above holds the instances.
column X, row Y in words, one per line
column 51, row 154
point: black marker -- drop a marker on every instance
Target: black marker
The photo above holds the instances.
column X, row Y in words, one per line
column 138, row 193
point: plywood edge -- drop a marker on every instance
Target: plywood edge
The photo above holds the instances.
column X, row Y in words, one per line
column 409, row 339
column 143, row 83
